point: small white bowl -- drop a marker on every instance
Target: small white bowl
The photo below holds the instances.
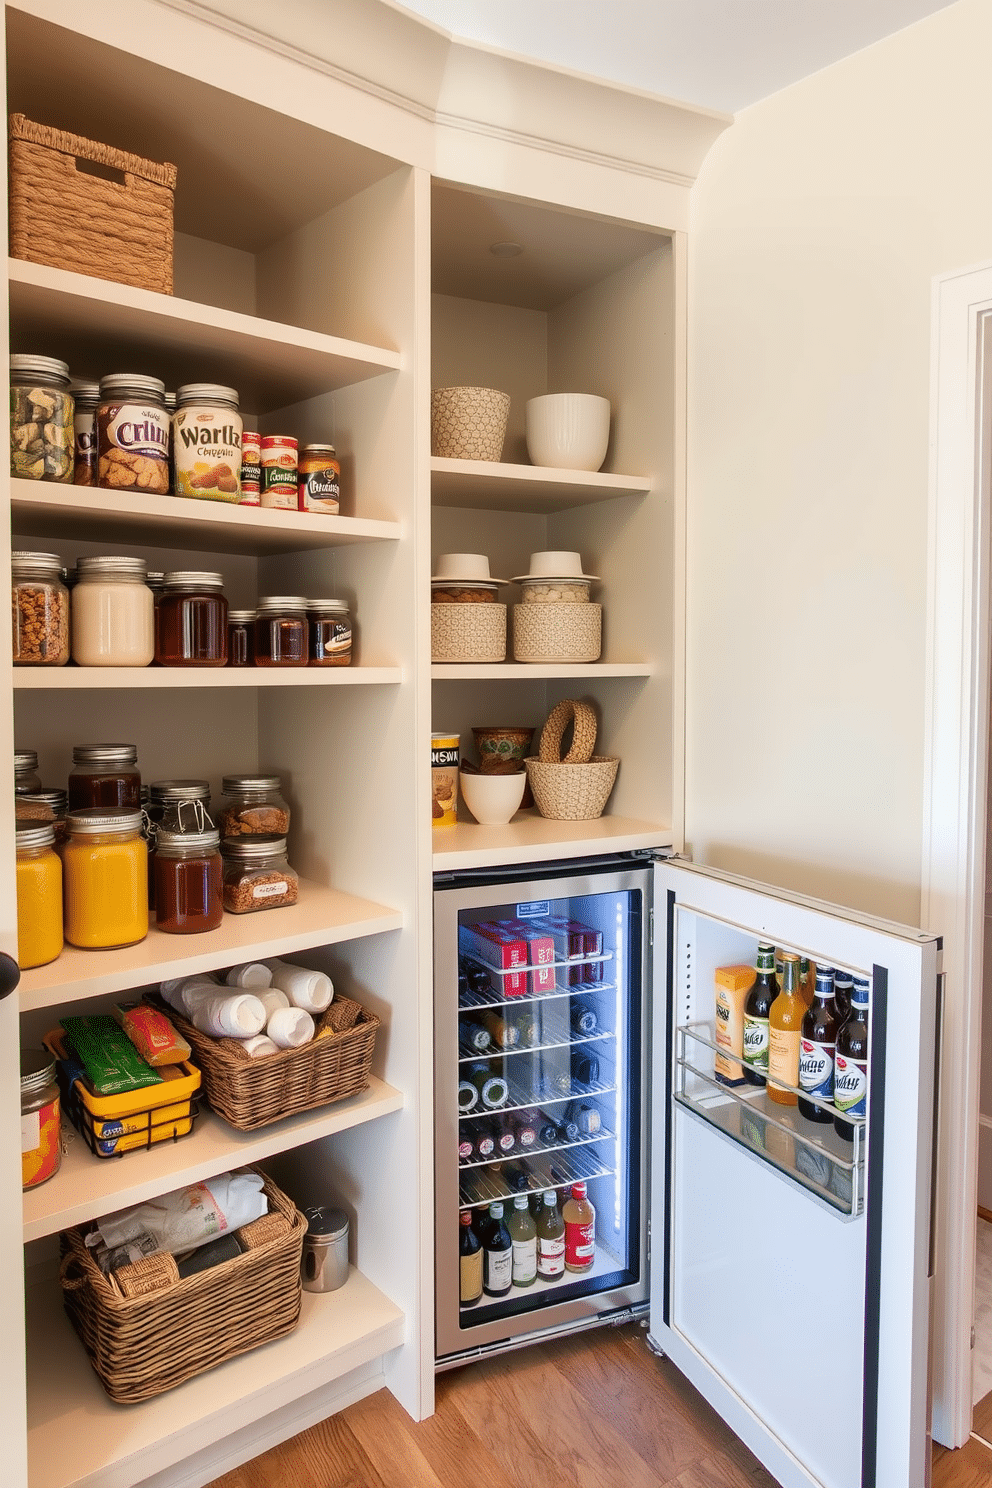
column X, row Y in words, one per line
column 492, row 799
column 568, row 431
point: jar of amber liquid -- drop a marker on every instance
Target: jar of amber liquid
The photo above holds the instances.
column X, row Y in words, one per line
column 106, row 879
column 281, row 631
column 241, row 638
column 41, row 1120
column 174, row 806
column 330, row 632
column 104, row 775
column 39, row 895
column 189, row 881
column 192, row 620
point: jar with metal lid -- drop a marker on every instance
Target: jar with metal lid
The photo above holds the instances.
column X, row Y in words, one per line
column 86, row 398
column 113, row 613
column 241, row 638
column 132, row 434
column 188, row 881
column 39, row 895
column 41, row 1122
column 39, row 610
column 330, row 632
column 252, row 804
column 170, row 408
column 105, row 775
column 325, row 1249
column 206, row 432
column 45, row 806
column 26, row 777
column 41, row 411
column 257, row 874
column 280, row 475
column 320, row 479
column 175, row 806
column 192, row 620
column 281, row 631
column 106, row 879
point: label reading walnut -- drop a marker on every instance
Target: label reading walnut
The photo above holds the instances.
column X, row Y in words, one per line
column 208, row 452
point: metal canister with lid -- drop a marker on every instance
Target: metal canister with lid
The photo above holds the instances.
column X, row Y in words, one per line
column 320, row 479
column 251, row 467
column 41, row 412
column 325, row 1249
column 26, row 778
column 41, row 1122
column 132, row 434
column 207, row 430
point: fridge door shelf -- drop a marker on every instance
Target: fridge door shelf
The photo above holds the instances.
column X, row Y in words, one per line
column 525, row 1153
column 574, row 1166
column 815, row 1157
column 470, row 1001
column 481, row 1056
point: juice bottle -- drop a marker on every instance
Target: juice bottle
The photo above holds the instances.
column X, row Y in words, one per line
column 580, row 1230
column 785, row 1022
column 469, row 1260
column 550, row 1240
column 523, row 1234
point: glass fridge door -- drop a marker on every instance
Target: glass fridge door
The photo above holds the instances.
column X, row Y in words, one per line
column 539, row 1078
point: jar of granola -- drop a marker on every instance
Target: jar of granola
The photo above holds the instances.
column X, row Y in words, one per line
column 252, row 805
column 132, row 436
column 257, row 874
column 41, row 410
column 39, row 610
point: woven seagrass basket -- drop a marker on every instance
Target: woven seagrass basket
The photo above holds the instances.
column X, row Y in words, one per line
column 143, row 1344
column 468, row 632
column 468, row 423
column 61, row 215
column 578, row 787
column 250, row 1093
column 558, row 631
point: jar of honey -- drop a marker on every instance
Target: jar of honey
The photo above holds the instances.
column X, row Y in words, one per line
column 281, row 635
column 106, row 879
column 41, row 1122
column 39, row 895
column 189, row 881
column 104, row 775
column 192, row 620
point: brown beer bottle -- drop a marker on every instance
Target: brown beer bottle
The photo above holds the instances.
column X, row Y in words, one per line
column 756, row 1010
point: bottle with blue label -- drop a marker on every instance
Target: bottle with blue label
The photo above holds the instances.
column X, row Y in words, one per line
column 817, row 1044
column 851, row 1062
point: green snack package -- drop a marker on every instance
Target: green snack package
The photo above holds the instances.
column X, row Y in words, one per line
column 111, row 1061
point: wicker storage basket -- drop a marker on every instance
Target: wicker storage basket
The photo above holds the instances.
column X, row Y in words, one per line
column 468, row 423
column 65, row 217
column 141, row 1345
column 250, row 1093
column 557, row 632
column 468, row 632
column 577, row 788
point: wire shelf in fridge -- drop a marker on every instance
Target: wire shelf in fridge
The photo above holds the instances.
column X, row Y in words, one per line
column 553, row 1171
column 477, row 1056
column 525, row 1153
column 525, row 1098
column 470, row 1001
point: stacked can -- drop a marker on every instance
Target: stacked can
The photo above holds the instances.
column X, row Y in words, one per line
column 251, row 468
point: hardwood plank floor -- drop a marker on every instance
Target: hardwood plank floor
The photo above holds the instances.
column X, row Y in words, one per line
column 595, row 1410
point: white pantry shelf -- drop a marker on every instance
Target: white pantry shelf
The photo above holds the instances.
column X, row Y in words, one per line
column 529, row 488
column 79, row 1438
column 74, row 679
column 516, row 671
column 87, row 1186
column 43, row 508
column 96, row 326
column 530, row 838
column 321, row 916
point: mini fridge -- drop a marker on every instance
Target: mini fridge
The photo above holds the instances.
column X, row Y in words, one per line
column 786, row 1264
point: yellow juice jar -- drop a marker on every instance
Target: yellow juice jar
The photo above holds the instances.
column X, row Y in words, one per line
column 39, row 894
column 106, row 878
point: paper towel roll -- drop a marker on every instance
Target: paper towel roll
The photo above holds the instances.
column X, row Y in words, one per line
column 224, row 1014
column 259, row 1046
column 271, row 999
column 253, row 974
column 172, row 989
column 290, row 1027
column 311, row 990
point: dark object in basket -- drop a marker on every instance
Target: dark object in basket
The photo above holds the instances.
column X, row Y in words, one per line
column 146, row 1343
column 114, row 222
column 250, row 1093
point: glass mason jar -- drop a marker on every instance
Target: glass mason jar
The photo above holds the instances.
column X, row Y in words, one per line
column 252, row 804
column 41, row 1121
column 42, row 437
column 39, row 895
column 132, row 434
column 192, row 620
column 39, row 610
column 106, row 879
column 26, row 778
column 281, row 631
column 86, row 397
column 206, row 437
column 113, row 613
column 257, row 874
column 241, row 638
column 175, row 806
column 330, row 632
column 47, row 806
column 188, row 881
column 104, row 775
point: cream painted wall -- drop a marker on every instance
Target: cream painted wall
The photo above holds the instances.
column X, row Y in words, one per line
column 818, row 223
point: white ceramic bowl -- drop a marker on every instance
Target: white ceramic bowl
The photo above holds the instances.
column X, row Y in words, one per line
column 492, row 799
column 568, row 431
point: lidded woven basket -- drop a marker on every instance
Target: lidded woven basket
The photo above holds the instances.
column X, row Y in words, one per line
column 577, row 787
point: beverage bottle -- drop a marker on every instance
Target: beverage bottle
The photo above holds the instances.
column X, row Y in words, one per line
column 497, row 1255
column 477, row 976
column 550, row 1240
column 568, row 1130
column 528, row 1028
column 807, row 980
column 485, row 1140
column 526, row 1124
column 816, row 1049
column 514, row 1176
column 580, row 1230
column 851, row 1062
column 842, row 997
column 506, row 1136
column 466, row 1146
column 469, row 1260
column 583, row 1019
column 472, row 1035
column 585, row 1067
column 535, row 1200
column 523, row 1234
column 756, row 1010
column 586, row 1118
column 547, row 1132
column 785, row 1021
column 504, row 1034
column 468, row 1097
column 492, row 1088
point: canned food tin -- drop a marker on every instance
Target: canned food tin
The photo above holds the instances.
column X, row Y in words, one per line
column 320, row 479
column 444, row 779
column 279, row 472
column 251, row 467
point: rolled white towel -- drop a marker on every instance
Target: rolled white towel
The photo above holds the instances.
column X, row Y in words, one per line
column 194, row 990
column 225, row 1014
column 259, row 1045
column 290, row 1027
column 271, row 999
column 253, row 974
column 311, row 990
column 172, row 989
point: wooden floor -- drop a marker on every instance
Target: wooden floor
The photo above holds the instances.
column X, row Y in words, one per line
column 596, row 1410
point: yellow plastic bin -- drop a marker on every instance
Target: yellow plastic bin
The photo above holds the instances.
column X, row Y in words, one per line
column 113, row 1124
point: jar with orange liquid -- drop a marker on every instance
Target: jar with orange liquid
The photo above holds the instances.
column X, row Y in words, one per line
column 39, row 895
column 785, row 1022
column 106, row 879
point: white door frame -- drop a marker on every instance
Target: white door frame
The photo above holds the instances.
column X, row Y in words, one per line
column 955, row 792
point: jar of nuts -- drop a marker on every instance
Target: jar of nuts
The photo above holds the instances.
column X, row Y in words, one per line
column 39, row 610
column 257, row 874
column 252, row 804
column 42, row 437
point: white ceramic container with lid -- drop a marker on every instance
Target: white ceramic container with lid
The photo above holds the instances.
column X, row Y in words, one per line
column 555, row 577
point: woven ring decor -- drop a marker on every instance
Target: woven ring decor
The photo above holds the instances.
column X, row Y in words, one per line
column 583, row 721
